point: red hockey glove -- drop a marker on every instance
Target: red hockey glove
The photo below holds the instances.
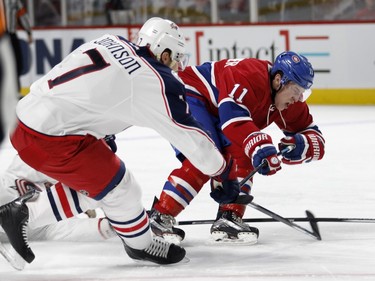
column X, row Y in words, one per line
column 225, row 188
column 308, row 146
column 259, row 147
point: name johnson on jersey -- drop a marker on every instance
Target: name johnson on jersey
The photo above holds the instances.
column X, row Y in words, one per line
column 120, row 53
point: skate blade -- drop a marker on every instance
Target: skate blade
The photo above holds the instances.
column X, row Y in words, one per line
column 221, row 239
column 185, row 260
column 12, row 257
column 231, row 242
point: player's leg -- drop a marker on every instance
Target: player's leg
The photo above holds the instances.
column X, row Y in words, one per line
column 228, row 226
column 100, row 175
column 75, row 230
column 52, row 201
column 72, row 230
column 41, row 209
column 19, row 178
column 184, row 183
column 125, row 212
column 179, row 190
column 16, row 181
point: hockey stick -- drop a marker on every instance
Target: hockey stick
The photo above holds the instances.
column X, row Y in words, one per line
column 247, row 200
column 310, row 217
column 318, row 219
column 263, row 164
column 315, row 233
column 275, row 217
column 294, row 219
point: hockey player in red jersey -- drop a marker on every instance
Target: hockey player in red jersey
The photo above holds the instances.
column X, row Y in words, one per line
column 234, row 99
column 102, row 88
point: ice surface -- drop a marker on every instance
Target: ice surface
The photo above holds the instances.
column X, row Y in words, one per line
column 341, row 185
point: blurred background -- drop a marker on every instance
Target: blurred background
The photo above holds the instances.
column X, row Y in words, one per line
column 115, row 12
column 337, row 36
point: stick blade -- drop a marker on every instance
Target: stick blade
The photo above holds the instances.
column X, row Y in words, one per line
column 314, row 225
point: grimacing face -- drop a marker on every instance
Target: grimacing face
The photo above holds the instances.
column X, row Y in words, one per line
column 287, row 95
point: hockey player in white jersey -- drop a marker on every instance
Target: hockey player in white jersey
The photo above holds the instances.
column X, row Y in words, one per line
column 102, row 88
column 20, row 178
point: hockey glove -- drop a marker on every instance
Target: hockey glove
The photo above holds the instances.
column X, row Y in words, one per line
column 225, row 188
column 259, row 148
column 110, row 140
column 308, row 146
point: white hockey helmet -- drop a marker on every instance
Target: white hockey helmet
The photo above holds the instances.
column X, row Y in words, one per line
column 160, row 34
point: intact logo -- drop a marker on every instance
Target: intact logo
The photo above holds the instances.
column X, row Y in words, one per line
column 296, row 59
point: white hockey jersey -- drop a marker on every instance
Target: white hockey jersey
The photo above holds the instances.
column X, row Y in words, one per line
column 108, row 85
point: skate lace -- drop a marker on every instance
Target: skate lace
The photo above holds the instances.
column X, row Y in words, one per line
column 158, row 248
column 7, row 208
column 24, row 234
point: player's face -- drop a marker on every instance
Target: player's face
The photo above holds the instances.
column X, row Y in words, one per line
column 167, row 60
column 287, row 95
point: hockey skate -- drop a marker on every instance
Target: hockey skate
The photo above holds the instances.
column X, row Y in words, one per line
column 159, row 251
column 14, row 219
column 229, row 228
column 162, row 226
column 10, row 254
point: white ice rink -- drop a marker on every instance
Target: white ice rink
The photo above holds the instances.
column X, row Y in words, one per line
column 341, row 185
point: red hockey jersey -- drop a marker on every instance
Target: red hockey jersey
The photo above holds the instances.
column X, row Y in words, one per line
column 239, row 92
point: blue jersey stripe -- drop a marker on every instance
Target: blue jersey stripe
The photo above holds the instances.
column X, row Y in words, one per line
column 76, row 200
column 53, row 204
column 115, row 181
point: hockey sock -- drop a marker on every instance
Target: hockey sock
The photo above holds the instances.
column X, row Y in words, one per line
column 243, row 164
column 126, row 214
column 57, row 203
column 182, row 186
column 238, row 209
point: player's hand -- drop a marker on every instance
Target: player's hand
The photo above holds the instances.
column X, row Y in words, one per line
column 224, row 192
column 225, row 188
column 259, row 148
column 266, row 153
column 308, row 145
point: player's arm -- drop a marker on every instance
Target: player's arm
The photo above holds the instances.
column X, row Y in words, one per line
column 303, row 135
column 308, row 146
column 236, row 98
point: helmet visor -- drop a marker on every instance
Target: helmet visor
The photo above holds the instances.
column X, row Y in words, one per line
column 183, row 62
column 305, row 95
